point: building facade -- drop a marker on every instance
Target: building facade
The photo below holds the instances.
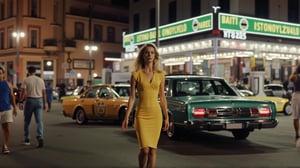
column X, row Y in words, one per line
column 52, row 35
column 217, row 52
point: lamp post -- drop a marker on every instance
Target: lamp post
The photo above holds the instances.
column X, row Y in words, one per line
column 90, row 49
column 18, row 35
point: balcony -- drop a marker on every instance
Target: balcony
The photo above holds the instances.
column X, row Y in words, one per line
column 69, row 45
column 50, row 45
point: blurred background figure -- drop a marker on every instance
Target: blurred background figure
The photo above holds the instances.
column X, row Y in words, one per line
column 49, row 95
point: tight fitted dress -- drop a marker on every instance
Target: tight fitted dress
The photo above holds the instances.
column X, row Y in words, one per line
column 148, row 117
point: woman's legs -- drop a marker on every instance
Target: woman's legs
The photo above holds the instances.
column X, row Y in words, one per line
column 296, row 127
column 143, row 156
column 6, row 132
column 151, row 158
column 147, row 156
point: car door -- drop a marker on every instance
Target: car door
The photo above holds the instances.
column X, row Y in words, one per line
column 89, row 101
column 103, row 103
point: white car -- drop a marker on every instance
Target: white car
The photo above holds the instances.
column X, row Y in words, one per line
column 277, row 89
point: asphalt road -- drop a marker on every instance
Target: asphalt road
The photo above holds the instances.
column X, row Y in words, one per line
column 103, row 144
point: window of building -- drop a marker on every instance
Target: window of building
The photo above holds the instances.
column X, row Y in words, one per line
column 136, row 22
column 55, row 13
column 110, row 34
column 172, row 11
column 10, row 8
column 195, row 8
column 33, row 8
column 10, row 71
column 152, row 18
column 262, row 8
column 1, row 10
column 1, row 40
column 225, row 6
column 98, row 32
column 79, row 30
column 10, row 38
column 293, row 11
column 34, row 36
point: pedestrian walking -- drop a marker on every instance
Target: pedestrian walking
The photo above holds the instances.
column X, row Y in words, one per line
column 7, row 109
column 49, row 96
column 295, row 78
column 34, row 95
column 149, row 81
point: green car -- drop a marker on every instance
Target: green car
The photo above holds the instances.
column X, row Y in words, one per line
column 210, row 103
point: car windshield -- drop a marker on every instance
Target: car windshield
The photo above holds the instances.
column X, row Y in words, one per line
column 121, row 91
column 202, row 87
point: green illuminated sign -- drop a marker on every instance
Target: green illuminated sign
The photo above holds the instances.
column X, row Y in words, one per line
column 177, row 29
column 258, row 26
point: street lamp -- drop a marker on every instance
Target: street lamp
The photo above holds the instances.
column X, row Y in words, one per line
column 18, row 35
column 90, row 48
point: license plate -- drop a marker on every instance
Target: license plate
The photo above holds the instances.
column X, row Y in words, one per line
column 234, row 126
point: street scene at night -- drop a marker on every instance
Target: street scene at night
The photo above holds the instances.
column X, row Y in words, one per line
column 150, row 83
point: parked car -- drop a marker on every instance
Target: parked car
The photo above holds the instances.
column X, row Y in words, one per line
column 98, row 102
column 283, row 105
column 211, row 104
column 276, row 89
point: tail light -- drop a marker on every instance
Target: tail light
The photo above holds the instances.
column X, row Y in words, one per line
column 199, row 112
column 262, row 112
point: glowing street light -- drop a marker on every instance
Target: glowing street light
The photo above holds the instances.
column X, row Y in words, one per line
column 90, row 48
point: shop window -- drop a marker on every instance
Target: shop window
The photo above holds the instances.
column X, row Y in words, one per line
column 79, row 30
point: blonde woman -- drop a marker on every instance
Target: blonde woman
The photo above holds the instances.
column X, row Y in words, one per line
column 149, row 82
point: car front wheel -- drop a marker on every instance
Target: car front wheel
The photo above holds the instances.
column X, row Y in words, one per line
column 80, row 117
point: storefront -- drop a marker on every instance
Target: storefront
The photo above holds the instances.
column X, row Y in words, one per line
column 224, row 45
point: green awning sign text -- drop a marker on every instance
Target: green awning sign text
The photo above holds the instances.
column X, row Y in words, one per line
column 177, row 29
column 258, row 26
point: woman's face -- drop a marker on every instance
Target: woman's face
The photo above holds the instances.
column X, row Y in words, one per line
column 149, row 54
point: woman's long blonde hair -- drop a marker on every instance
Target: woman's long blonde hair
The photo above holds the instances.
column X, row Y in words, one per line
column 140, row 63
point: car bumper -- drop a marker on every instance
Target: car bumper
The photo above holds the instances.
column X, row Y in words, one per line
column 213, row 126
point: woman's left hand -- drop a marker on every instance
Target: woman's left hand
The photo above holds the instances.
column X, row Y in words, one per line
column 166, row 125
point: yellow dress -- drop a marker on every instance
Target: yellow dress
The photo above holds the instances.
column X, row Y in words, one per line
column 148, row 116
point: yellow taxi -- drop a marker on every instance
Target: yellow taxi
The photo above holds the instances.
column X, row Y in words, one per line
column 98, row 102
column 283, row 105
